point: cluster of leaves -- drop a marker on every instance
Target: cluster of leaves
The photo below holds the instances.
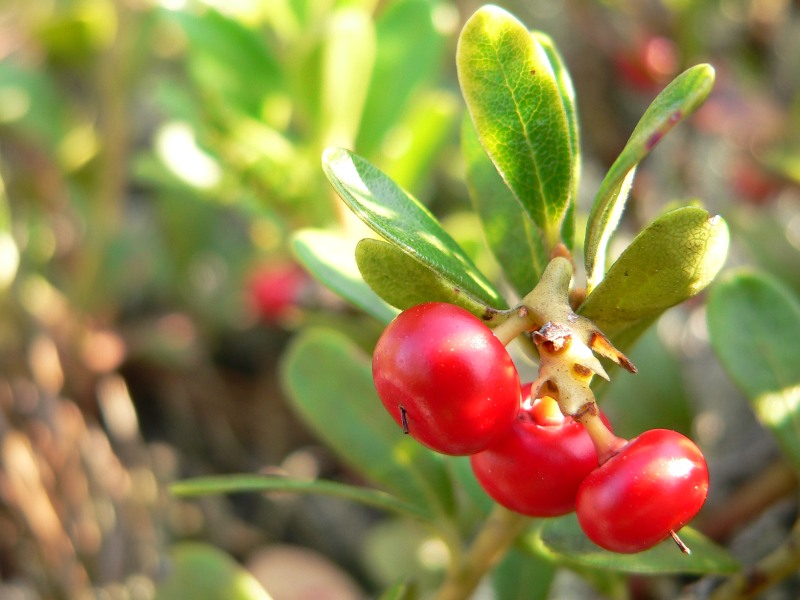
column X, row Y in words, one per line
column 234, row 110
column 521, row 151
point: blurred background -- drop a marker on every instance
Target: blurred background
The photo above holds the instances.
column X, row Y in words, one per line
column 155, row 158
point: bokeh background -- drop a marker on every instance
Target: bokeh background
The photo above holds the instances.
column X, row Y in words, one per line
column 155, row 159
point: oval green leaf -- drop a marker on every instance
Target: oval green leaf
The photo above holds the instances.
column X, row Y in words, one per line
column 202, row 572
column 513, row 96
column 344, row 411
column 252, row 482
column 404, row 282
column 404, row 221
column 328, row 256
column 515, row 240
column 678, row 100
column 567, row 91
column 754, row 324
column 561, row 539
column 673, row 259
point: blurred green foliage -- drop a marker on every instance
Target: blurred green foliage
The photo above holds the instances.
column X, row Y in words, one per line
column 154, row 153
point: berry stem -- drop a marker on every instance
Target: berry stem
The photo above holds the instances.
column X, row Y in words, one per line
column 490, row 544
column 605, row 442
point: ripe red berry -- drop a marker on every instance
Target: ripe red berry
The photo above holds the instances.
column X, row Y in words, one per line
column 652, row 487
column 536, row 468
column 275, row 289
column 446, row 379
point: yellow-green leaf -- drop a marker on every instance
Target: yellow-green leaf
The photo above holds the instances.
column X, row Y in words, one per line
column 673, row 259
column 405, row 282
column 676, row 102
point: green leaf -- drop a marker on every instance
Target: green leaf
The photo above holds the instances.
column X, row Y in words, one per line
column 216, row 43
column 562, row 540
column 400, row 591
column 405, row 222
column 416, row 142
column 201, row 572
column 344, row 411
column 32, row 102
column 674, row 258
column 685, row 94
column 516, row 104
column 660, row 382
column 522, row 576
column 328, row 256
column 515, row 240
column 401, row 66
column 348, row 57
column 754, row 323
column 404, row 282
column 242, row 483
column 567, row 91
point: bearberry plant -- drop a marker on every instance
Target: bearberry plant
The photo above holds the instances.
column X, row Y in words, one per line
column 514, row 478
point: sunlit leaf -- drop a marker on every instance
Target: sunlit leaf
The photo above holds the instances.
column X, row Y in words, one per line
column 405, row 222
column 348, row 57
column 329, row 257
column 674, row 258
column 344, row 411
column 676, row 102
column 754, row 323
column 516, row 104
column 561, row 539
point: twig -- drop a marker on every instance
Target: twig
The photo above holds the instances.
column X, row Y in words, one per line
column 768, row 571
column 498, row 532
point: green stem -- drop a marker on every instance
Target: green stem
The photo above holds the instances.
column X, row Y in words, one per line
column 498, row 533
column 548, row 301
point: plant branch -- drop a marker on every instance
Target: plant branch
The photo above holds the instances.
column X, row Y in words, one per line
column 768, row 571
column 498, row 532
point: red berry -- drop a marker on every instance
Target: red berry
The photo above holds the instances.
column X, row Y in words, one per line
column 536, row 468
column 446, row 379
column 652, row 487
column 275, row 289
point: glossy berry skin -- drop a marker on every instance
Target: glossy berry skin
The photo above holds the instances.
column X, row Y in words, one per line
column 654, row 485
column 446, row 379
column 536, row 468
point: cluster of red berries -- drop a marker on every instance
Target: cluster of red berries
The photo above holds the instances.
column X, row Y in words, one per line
column 450, row 383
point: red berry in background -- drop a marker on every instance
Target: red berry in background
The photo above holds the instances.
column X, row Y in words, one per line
column 652, row 487
column 536, row 468
column 446, row 379
column 275, row 288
